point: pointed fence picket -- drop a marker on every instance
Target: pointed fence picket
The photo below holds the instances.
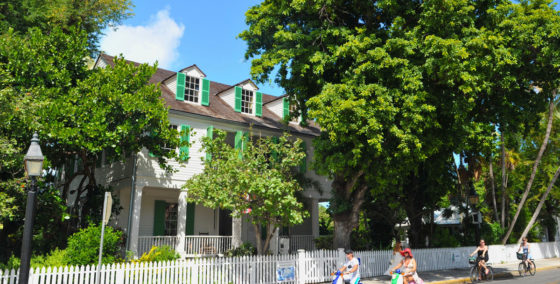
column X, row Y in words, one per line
column 310, row 267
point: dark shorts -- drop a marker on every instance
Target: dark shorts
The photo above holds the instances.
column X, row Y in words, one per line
column 485, row 258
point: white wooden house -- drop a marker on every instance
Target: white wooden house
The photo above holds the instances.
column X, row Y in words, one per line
column 155, row 211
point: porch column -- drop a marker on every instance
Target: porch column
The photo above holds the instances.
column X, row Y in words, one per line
column 135, row 227
column 236, row 232
column 273, row 246
column 315, row 217
column 181, row 222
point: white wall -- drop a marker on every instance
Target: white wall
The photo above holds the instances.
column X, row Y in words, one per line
column 150, row 174
column 277, row 107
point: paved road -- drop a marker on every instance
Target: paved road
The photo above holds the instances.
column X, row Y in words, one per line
column 542, row 277
column 548, row 272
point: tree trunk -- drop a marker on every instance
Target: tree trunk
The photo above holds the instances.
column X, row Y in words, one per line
column 353, row 191
column 270, row 231
column 539, row 207
column 342, row 230
column 504, row 180
column 534, row 172
column 491, row 170
column 257, row 229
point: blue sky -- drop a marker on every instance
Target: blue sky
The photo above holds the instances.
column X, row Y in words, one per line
column 180, row 33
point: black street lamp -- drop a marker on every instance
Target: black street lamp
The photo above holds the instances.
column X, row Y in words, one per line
column 473, row 200
column 34, row 168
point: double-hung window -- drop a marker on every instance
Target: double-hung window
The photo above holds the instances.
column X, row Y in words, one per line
column 192, row 87
column 171, row 220
column 247, row 101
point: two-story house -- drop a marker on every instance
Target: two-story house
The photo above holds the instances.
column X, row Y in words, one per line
column 155, row 211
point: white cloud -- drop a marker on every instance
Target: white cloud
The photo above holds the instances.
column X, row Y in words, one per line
column 158, row 40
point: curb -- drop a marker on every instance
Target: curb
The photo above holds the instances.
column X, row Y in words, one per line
column 508, row 274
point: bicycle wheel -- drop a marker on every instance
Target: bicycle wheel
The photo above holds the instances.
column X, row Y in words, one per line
column 474, row 274
column 521, row 269
column 532, row 268
column 490, row 275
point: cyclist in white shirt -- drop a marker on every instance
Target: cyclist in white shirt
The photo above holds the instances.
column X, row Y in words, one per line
column 351, row 269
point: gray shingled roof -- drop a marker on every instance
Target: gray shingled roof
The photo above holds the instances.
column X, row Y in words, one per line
column 219, row 109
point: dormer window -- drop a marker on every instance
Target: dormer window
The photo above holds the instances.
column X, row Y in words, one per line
column 247, row 101
column 192, row 87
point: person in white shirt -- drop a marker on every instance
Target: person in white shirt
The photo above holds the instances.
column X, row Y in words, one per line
column 351, row 269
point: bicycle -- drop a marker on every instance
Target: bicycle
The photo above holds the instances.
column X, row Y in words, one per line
column 522, row 267
column 476, row 271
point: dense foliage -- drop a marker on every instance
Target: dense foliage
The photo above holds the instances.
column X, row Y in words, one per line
column 402, row 88
column 46, row 86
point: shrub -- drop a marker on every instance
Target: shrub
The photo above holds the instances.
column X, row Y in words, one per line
column 444, row 238
column 12, row 263
column 83, row 246
column 244, row 250
column 324, row 242
column 56, row 258
column 162, row 253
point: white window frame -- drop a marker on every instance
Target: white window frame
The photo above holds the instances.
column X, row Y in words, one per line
column 246, row 92
column 199, row 91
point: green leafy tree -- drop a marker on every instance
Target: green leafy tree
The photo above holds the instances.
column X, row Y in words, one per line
column 89, row 16
column 257, row 178
column 397, row 89
column 46, row 86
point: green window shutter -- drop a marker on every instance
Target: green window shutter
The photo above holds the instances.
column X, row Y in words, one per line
column 239, row 137
column 205, row 101
column 209, row 134
column 245, row 141
column 258, row 111
column 152, row 133
column 71, row 166
column 263, row 232
column 274, row 154
column 159, row 217
column 180, row 92
column 237, row 99
column 185, row 137
column 285, row 108
column 189, row 230
column 99, row 159
column 239, row 142
column 303, row 165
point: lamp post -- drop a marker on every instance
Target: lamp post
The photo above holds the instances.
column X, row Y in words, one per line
column 33, row 167
column 473, row 200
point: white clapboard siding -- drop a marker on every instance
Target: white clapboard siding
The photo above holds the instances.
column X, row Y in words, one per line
column 310, row 267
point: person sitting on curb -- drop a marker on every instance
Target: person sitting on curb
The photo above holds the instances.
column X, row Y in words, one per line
column 352, row 268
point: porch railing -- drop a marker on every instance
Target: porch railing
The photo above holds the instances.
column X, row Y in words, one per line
column 145, row 243
column 193, row 245
column 207, row 245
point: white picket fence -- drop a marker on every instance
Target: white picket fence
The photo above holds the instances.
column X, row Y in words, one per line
column 308, row 267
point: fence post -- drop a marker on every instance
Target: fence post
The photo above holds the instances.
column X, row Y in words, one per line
column 301, row 275
column 253, row 269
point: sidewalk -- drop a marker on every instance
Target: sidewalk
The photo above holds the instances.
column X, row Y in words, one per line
column 505, row 270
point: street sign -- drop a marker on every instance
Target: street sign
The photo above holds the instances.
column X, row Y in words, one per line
column 107, row 207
